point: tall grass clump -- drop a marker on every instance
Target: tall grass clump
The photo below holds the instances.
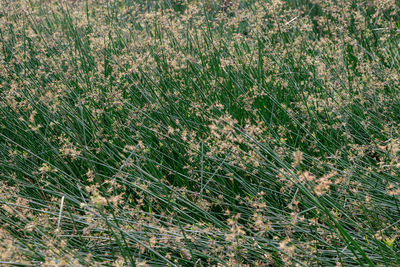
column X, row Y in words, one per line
column 199, row 133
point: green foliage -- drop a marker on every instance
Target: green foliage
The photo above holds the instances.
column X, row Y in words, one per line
column 199, row 133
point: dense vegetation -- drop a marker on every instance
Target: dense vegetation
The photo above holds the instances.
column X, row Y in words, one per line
column 198, row 133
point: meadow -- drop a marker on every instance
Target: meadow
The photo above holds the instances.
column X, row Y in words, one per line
column 199, row 133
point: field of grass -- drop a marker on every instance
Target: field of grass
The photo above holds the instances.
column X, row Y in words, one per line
column 199, row 133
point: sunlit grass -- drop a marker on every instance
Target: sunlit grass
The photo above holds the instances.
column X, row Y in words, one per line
column 199, row 133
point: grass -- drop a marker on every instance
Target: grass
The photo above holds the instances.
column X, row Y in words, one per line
column 199, row 133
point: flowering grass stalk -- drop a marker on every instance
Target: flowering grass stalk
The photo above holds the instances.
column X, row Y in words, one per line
column 199, row 133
